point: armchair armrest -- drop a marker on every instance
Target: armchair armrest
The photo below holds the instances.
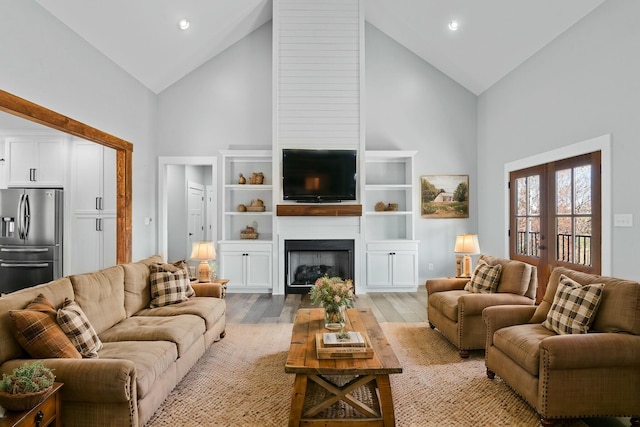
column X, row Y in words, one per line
column 594, row 350
column 91, row 380
column 473, row 304
column 215, row 290
column 445, row 284
column 501, row 316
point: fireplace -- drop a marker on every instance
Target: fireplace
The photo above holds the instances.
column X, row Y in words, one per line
column 306, row 260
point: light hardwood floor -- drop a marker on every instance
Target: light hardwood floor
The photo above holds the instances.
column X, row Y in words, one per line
column 267, row 308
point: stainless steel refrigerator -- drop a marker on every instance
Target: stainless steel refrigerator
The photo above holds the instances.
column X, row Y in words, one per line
column 30, row 237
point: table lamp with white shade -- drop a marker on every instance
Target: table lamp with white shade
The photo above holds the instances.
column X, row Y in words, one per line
column 203, row 252
column 467, row 244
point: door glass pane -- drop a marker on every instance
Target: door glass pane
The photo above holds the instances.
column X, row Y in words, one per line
column 563, row 192
column 582, row 248
column 564, row 239
column 534, row 194
column 582, row 189
column 521, row 191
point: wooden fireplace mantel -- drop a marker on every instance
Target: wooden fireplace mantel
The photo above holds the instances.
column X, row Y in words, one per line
column 318, row 210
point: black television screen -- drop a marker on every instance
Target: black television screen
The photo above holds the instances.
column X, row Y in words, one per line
column 318, row 175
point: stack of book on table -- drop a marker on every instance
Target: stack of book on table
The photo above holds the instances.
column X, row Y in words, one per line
column 343, row 345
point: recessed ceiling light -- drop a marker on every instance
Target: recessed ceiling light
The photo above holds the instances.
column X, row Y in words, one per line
column 184, row 24
column 453, row 25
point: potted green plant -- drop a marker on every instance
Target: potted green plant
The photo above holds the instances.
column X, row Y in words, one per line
column 26, row 386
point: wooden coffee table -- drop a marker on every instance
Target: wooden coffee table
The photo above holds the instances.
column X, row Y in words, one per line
column 326, row 389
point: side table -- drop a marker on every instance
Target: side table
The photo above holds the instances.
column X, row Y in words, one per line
column 45, row 414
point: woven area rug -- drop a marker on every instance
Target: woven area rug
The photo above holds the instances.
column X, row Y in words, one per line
column 240, row 381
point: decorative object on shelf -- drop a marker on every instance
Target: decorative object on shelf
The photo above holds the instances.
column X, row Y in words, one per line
column 256, row 205
column 26, row 386
column 381, row 207
column 466, row 245
column 334, row 294
column 203, row 252
column 256, row 178
column 242, row 179
column 248, row 232
column 242, row 208
column 444, row 196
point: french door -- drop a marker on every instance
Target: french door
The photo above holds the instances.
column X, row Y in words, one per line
column 555, row 216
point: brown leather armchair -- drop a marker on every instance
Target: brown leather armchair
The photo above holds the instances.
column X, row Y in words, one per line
column 458, row 313
column 571, row 375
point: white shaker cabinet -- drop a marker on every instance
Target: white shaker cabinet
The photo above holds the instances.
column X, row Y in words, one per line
column 35, row 162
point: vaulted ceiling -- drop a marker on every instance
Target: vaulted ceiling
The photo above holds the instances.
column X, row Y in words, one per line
column 494, row 37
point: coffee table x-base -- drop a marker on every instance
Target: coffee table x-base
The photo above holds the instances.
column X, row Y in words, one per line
column 313, row 374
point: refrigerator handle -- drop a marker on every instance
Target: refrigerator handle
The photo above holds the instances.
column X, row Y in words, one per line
column 27, row 216
column 20, row 217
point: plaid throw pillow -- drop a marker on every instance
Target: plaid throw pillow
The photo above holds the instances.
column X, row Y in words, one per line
column 76, row 325
column 574, row 307
column 484, row 279
column 168, row 285
column 38, row 332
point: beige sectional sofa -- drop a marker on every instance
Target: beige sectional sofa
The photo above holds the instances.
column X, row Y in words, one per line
column 145, row 352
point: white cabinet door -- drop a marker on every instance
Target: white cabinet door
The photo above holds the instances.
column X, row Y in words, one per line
column 87, row 177
column 405, row 266
column 36, row 163
column 379, row 269
column 86, row 246
column 109, row 241
column 258, row 267
column 232, row 267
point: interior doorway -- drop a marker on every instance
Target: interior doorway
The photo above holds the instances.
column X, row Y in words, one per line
column 175, row 176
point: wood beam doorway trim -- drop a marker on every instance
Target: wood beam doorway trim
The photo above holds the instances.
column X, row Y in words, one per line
column 33, row 112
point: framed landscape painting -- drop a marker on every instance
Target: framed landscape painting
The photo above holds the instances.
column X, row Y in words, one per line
column 444, row 196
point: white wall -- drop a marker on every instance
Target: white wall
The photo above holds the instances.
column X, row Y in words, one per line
column 410, row 105
column 225, row 103
column 45, row 62
column 582, row 85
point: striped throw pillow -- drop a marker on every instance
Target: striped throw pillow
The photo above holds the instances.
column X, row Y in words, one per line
column 574, row 307
column 75, row 324
column 485, row 278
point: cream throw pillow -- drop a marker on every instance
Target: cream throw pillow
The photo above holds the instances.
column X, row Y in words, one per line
column 574, row 307
column 485, row 278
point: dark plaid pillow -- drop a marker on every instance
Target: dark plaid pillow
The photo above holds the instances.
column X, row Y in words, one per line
column 75, row 324
column 574, row 307
column 168, row 285
column 485, row 278
column 38, row 332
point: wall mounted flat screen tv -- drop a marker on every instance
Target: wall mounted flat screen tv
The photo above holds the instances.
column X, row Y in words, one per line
column 319, row 175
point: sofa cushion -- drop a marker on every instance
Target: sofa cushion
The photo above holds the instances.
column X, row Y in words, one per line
column 169, row 284
column 136, row 286
column 516, row 276
column 152, row 360
column 101, row 296
column 208, row 308
column 619, row 309
column 521, row 343
column 447, row 302
column 183, row 330
column 75, row 324
column 574, row 307
column 38, row 332
column 485, row 278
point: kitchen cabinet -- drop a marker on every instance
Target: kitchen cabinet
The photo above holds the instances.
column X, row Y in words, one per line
column 93, row 208
column 248, row 266
column 35, row 162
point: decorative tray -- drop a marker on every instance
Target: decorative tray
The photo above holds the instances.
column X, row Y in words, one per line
column 255, row 208
column 248, row 235
column 357, row 351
